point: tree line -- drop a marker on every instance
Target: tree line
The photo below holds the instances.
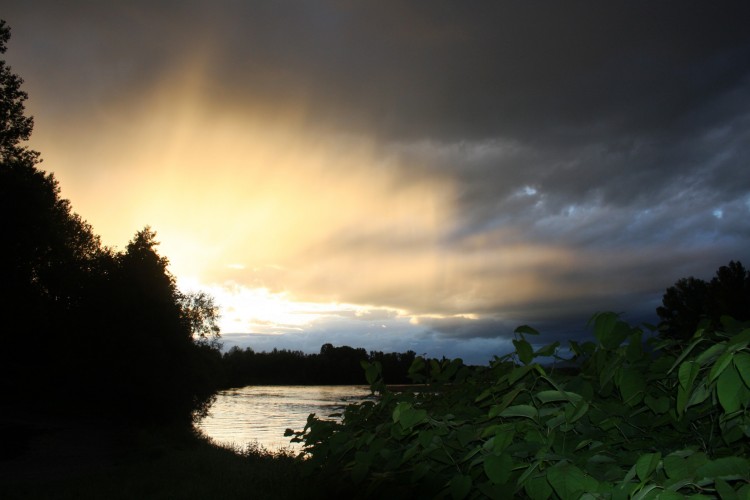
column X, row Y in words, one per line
column 332, row 365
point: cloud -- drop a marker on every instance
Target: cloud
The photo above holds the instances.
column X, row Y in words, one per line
column 474, row 165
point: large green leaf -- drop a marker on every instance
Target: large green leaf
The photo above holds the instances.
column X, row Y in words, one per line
column 710, row 354
column 526, row 329
column 632, row 385
column 570, row 482
column 742, row 363
column 657, row 405
column 524, row 350
column 408, row 416
column 687, row 373
column 460, row 486
column 552, row 396
column 575, row 411
column 609, row 330
column 720, row 365
column 685, row 353
column 727, row 468
column 725, row 491
column 729, row 389
column 518, row 373
column 498, row 467
column 538, row 488
column 548, row 350
column 700, row 393
column 634, row 351
column 503, row 440
column 646, row 465
column 669, row 495
column 495, row 410
column 520, row 411
column 676, row 467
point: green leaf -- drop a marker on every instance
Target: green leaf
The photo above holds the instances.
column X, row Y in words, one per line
column 727, row 468
column 518, row 373
column 646, row 465
column 569, row 481
column 699, row 394
column 669, row 495
column 742, row 364
column 687, row 373
column 412, row 417
column 503, row 440
column 720, row 365
column 552, row 396
column 609, row 331
column 676, row 467
column 609, row 371
column 537, row 488
column 407, row 416
column 520, row 411
column 495, row 410
column 548, row 350
column 684, row 354
column 401, row 407
column 724, row 490
column 641, row 495
column 657, row 405
column 498, row 467
column 526, row 329
column 631, row 386
column 574, row 411
column 460, row 486
column 372, row 371
column 524, row 350
column 729, row 389
column 710, row 354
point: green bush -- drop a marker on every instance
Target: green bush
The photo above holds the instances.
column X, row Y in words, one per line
column 626, row 419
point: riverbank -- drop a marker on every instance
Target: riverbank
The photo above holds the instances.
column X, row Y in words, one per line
column 66, row 459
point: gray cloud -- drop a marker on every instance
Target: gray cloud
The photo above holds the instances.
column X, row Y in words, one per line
column 616, row 131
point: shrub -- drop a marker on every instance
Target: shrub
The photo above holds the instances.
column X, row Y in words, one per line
column 632, row 420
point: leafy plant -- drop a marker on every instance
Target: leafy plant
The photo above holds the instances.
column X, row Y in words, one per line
column 630, row 420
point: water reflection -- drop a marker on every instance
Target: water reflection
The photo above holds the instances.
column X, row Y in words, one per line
column 262, row 413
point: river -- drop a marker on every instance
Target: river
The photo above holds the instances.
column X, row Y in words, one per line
column 261, row 414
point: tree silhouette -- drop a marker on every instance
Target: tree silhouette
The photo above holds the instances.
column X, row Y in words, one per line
column 693, row 300
column 15, row 126
column 85, row 328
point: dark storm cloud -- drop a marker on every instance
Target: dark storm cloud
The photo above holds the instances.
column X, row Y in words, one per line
column 617, row 130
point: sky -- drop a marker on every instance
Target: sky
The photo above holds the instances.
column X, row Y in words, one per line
column 401, row 176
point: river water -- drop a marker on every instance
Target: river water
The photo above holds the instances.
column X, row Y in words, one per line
column 260, row 414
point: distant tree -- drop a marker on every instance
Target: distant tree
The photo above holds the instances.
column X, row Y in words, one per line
column 693, row 300
column 201, row 316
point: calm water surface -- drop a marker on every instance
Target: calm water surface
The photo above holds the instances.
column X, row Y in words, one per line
column 260, row 414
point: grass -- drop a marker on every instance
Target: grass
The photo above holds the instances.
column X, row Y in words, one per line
column 167, row 463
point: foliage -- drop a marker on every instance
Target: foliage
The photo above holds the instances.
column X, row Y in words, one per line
column 629, row 420
column 690, row 301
